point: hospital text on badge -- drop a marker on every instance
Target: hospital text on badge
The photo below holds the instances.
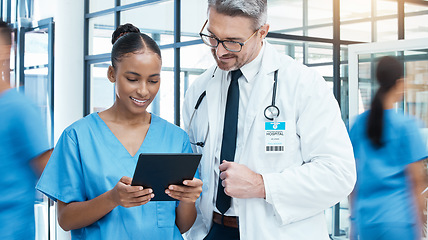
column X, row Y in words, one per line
column 274, row 137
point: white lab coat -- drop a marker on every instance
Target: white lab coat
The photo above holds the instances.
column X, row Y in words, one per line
column 316, row 171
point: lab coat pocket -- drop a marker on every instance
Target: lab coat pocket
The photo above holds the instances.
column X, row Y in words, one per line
column 279, row 161
column 165, row 211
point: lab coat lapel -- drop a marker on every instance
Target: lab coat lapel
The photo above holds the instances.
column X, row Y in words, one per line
column 213, row 88
column 261, row 90
column 213, row 111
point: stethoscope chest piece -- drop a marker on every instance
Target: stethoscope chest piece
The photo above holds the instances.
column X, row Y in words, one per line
column 271, row 112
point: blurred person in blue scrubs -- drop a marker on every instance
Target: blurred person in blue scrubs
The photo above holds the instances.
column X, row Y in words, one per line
column 387, row 202
column 24, row 151
column 89, row 171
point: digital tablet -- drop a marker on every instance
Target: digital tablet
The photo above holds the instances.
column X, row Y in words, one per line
column 158, row 171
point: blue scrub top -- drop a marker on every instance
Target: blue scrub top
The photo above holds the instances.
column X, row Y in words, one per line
column 383, row 192
column 22, row 138
column 89, row 160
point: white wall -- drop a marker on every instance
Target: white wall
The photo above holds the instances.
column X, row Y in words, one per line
column 68, row 16
column 69, row 63
column 44, row 9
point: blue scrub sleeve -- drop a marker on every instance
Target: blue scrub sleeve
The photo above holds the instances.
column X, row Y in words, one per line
column 413, row 144
column 62, row 178
column 30, row 133
column 353, row 135
column 187, row 148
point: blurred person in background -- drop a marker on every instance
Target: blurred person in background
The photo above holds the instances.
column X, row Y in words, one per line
column 24, row 151
column 387, row 202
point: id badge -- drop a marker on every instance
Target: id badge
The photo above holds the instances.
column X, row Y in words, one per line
column 274, row 137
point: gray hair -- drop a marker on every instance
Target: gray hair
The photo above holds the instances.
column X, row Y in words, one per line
column 253, row 9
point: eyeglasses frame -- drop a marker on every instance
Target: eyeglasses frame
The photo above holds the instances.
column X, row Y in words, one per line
column 222, row 41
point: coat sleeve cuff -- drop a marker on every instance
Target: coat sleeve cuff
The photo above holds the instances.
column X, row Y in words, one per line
column 270, row 190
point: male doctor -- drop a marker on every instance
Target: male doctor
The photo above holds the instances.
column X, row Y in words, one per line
column 276, row 153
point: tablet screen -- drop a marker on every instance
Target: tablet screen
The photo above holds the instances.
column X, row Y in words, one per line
column 159, row 170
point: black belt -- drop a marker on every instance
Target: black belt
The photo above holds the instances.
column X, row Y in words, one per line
column 226, row 220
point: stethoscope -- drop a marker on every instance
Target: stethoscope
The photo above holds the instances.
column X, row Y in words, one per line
column 201, row 97
column 271, row 112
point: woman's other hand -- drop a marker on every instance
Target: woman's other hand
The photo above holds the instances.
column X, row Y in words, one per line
column 188, row 193
column 125, row 195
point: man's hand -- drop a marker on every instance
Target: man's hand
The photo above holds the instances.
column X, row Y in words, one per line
column 240, row 182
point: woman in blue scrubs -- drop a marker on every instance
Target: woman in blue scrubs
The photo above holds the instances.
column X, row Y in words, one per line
column 88, row 173
column 387, row 202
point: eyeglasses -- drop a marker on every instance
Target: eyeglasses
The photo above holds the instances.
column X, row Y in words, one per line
column 231, row 46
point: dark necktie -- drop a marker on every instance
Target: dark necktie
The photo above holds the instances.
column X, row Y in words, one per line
column 230, row 129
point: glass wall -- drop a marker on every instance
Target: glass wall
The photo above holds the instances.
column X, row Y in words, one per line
column 415, row 100
column 156, row 20
column 102, row 90
column 99, row 34
column 365, row 21
column 416, row 20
